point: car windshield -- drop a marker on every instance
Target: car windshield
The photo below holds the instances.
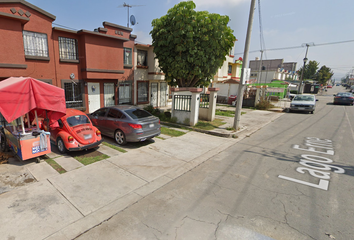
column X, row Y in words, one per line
column 304, row 98
column 137, row 113
column 344, row 94
column 77, row 120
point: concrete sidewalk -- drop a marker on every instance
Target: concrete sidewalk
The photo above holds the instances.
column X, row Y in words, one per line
column 63, row 206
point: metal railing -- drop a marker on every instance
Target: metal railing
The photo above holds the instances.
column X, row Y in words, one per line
column 204, row 100
column 182, row 103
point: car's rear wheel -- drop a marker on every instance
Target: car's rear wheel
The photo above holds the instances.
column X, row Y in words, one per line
column 119, row 137
column 61, row 145
column 311, row 112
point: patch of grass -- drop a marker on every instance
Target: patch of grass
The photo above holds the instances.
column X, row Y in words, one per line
column 226, row 113
column 160, row 138
column 88, row 160
column 114, row 147
column 225, row 105
column 171, row 132
column 176, row 126
column 205, row 125
column 55, row 165
column 230, row 128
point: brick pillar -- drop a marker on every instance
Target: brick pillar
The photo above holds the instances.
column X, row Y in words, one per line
column 195, row 105
column 212, row 103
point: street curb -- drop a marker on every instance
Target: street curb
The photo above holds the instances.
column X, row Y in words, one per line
column 210, row 132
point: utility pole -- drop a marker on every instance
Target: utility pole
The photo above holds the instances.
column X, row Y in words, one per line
column 259, row 75
column 244, row 66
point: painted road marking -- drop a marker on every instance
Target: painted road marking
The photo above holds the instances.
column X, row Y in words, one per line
column 316, row 165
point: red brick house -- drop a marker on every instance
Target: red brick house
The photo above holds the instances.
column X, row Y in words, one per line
column 95, row 68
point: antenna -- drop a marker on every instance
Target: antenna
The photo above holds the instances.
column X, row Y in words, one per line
column 130, row 6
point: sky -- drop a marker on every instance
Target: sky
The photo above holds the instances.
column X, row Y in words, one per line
column 285, row 24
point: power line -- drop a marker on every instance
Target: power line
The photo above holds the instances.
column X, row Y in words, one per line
column 65, row 27
column 295, row 47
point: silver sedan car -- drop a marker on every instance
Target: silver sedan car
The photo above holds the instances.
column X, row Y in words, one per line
column 303, row 103
column 126, row 123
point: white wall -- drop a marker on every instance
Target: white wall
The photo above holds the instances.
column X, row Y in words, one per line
column 224, row 89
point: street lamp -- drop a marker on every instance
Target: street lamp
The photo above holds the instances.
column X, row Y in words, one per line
column 305, row 60
column 302, row 75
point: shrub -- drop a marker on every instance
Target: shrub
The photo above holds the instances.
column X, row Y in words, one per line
column 149, row 108
column 163, row 117
column 264, row 105
column 173, row 120
column 156, row 112
column 293, row 91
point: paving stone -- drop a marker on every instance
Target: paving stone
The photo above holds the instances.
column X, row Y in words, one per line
column 68, row 163
column 42, row 171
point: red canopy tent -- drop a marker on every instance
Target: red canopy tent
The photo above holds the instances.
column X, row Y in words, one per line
column 20, row 95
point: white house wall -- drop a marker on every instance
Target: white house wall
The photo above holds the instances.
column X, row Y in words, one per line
column 234, row 89
column 224, row 89
column 140, row 74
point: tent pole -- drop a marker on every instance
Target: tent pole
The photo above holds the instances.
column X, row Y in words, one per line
column 35, row 112
column 22, row 125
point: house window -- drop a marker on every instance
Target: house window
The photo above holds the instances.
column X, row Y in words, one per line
column 73, row 94
column 143, row 91
column 68, row 48
column 230, row 70
column 142, row 58
column 35, row 44
column 127, row 56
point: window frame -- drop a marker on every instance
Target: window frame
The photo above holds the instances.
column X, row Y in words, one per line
column 81, row 87
column 71, row 49
column 130, row 57
column 41, row 39
column 144, row 63
column 147, row 92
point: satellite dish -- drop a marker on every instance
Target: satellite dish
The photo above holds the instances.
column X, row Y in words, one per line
column 132, row 20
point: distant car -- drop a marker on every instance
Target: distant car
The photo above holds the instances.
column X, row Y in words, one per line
column 343, row 98
column 329, row 86
column 73, row 132
column 303, row 103
column 126, row 123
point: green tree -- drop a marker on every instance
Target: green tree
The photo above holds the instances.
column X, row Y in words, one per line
column 191, row 45
column 324, row 74
column 310, row 70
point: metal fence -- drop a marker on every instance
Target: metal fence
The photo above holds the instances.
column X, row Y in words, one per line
column 182, row 102
column 204, row 100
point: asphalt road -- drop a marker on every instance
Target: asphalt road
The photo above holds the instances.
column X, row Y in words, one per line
column 293, row 179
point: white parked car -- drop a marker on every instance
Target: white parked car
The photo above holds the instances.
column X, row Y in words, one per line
column 303, row 103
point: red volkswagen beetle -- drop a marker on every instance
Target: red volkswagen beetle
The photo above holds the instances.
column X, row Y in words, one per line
column 73, row 132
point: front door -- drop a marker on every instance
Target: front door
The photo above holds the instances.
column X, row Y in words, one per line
column 94, row 102
column 163, row 94
column 108, row 94
column 153, row 100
